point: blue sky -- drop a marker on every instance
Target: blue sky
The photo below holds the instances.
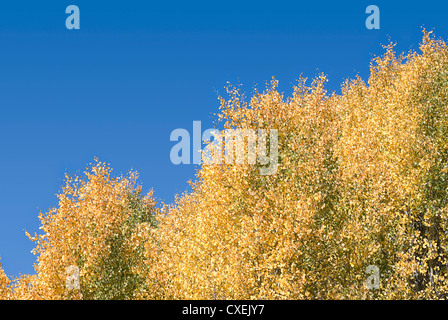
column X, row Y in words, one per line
column 136, row 70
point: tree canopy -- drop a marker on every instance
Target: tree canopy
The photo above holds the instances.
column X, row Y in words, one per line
column 362, row 180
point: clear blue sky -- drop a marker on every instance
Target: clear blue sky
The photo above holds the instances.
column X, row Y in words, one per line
column 136, row 70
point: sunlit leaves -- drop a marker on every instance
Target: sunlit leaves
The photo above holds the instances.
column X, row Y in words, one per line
column 362, row 181
column 96, row 227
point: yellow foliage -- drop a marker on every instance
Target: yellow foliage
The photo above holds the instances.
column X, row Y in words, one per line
column 95, row 228
column 362, row 180
column 4, row 285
